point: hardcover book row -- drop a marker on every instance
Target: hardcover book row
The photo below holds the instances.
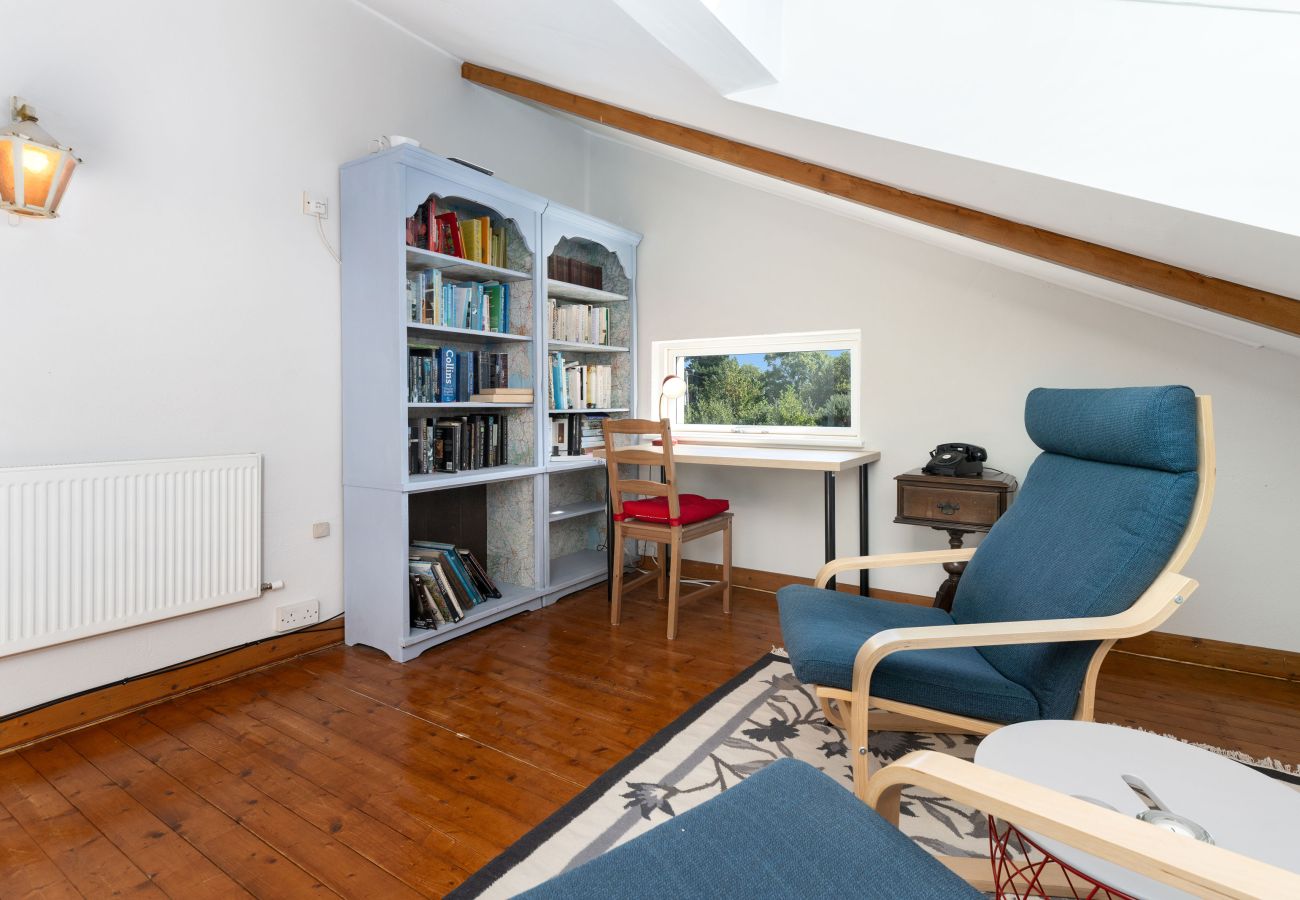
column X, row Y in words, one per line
column 478, row 305
column 448, row 375
column 574, row 271
column 458, row 443
column 473, row 238
column 578, row 322
column 573, row 385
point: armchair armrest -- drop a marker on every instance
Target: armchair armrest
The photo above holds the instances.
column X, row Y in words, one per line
column 1156, row 605
column 889, row 561
column 1202, row 870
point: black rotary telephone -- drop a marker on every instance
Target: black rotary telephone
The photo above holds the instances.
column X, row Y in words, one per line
column 957, row 461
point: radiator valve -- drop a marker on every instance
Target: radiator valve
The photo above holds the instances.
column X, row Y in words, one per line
column 272, row 586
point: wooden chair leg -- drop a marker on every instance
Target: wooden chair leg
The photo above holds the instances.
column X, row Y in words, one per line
column 616, row 593
column 857, row 741
column 674, row 582
column 663, row 572
column 726, row 567
column 833, row 710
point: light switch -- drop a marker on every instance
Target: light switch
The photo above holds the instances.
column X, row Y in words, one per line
column 320, row 529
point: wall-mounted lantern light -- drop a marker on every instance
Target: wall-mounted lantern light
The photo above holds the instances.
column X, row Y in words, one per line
column 34, row 167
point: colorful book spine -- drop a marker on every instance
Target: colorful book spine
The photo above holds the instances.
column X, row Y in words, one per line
column 447, row 392
column 458, row 570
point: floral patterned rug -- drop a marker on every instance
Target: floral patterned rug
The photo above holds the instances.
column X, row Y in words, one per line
column 762, row 715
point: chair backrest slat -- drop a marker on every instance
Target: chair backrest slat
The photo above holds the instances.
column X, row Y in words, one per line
column 616, row 456
column 647, row 488
column 630, row 457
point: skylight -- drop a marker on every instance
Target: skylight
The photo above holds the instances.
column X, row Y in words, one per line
column 1186, row 103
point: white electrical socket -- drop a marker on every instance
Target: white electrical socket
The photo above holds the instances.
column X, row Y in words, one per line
column 297, row 615
column 315, row 204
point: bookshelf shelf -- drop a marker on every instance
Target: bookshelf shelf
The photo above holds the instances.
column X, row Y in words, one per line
column 566, row 463
column 535, row 525
column 574, row 347
column 562, row 290
column 512, row 596
column 465, row 404
column 456, row 268
column 583, row 412
column 416, row 331
column 577, row 510
column 443, row 480
column 576, row 568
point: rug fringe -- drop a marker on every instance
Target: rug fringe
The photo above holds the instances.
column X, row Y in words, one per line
column 1267, row 762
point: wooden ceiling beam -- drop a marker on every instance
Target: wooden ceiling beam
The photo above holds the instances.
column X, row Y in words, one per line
column 1216, row 294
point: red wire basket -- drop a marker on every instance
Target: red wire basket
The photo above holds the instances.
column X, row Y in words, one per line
column 1022, row 870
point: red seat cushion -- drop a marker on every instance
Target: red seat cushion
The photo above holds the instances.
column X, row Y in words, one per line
column 694, row 509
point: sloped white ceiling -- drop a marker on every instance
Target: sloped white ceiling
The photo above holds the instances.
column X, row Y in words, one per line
column 594, row 48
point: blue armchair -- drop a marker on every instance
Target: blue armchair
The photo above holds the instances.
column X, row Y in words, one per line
column 1089, row 553
column 789, row 832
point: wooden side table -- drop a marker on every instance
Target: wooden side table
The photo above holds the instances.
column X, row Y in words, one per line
column 959, row 506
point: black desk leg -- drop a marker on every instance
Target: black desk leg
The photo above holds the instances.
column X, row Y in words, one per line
column 864, row 586
column 830, row 522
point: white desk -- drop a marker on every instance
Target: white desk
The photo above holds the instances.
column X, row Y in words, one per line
column 828, row 462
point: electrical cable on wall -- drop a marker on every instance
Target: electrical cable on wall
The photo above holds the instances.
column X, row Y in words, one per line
column 320, row 227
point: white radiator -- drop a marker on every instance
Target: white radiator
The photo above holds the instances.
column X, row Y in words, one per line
column 86, row 549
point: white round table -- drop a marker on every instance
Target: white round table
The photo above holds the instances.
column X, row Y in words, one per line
column 1243, row 810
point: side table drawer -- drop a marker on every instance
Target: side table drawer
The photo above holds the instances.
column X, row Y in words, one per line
column 949, row 505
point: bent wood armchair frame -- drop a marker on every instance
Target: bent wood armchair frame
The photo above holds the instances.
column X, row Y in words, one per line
column 855, row 710
column 1201, row 870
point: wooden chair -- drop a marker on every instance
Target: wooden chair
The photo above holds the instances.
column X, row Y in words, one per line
column 1088, row 435
column 669, row 520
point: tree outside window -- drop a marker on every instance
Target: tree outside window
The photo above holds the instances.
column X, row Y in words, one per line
column 803, row 388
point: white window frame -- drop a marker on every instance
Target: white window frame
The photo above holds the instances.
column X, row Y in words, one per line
column 667, row 358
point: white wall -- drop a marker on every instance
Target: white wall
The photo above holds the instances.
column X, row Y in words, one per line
column 182, row 305
column 951, row 346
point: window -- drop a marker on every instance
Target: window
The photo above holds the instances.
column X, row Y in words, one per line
column 794, row 389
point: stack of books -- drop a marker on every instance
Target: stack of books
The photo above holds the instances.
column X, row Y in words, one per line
column 503, row 395
column 473, row 238
column 578, row 322
column 446, row 583
column 477, row 305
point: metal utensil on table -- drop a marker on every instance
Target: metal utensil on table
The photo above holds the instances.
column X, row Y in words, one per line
column 1162, row 816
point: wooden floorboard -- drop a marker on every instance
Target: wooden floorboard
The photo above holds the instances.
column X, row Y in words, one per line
column 341, row 773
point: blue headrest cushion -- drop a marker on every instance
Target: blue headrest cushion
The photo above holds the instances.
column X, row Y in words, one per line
column 1149, row 427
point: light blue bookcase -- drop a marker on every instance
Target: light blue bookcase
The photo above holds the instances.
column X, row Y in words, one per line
column 538, row 522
